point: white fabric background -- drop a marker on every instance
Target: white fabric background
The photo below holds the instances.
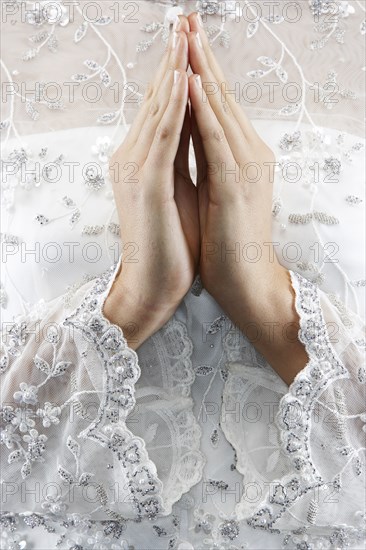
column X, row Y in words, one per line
column 171, row 361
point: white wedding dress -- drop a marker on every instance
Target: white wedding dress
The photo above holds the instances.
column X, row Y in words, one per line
column 193, row 442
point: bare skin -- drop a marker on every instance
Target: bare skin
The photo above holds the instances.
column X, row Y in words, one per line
column 157, row 206
column 180, row 227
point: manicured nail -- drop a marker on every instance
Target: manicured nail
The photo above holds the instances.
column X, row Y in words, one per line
column 198, row 38
column 176, row 24
column 176, row 76
column 175, row 39
column 198, row 81
column 199, row 19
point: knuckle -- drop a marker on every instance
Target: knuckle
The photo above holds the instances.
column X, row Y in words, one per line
column 176, row 104
column 177, row 100
column 153, row 109
column 149, row 92
column 163, row 132
column 226, row 108
column 213, row 135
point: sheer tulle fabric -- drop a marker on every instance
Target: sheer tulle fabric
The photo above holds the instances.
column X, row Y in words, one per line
column 194, row 441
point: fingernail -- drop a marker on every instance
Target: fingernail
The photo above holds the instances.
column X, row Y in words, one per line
column 175, row 39
column 198, row 81
column 198, row 38
column 199, row 19
column 176, row 76
column 176, row 24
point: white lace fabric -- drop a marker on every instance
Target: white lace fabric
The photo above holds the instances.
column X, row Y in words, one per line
column 322, row 409
column 194, row 441
column 68, row 426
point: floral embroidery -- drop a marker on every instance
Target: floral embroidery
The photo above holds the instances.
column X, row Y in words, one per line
column 29, row 418
column 27, row 394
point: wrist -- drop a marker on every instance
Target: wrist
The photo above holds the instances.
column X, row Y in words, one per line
column 264, row 310
column 137, row 315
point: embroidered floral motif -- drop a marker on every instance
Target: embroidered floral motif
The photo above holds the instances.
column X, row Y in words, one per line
column 289, row 142
column 120, row 360
column 81, row 532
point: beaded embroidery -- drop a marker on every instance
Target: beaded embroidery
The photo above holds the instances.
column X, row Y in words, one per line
column 83, row 532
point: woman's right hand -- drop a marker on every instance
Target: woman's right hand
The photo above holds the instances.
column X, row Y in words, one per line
column 156, row 202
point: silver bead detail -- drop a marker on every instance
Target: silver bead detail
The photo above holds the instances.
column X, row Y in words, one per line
column 41, row 219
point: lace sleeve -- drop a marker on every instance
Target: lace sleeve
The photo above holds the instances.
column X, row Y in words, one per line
column 86, row 430
column 296, row 429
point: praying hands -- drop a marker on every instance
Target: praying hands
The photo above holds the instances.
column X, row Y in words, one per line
column 182, row 229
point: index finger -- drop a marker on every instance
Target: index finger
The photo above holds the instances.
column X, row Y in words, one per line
column 196, row 25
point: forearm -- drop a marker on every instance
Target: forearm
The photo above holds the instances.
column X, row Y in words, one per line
column 268, row 318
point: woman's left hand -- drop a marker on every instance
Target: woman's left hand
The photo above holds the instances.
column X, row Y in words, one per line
column 235, row 170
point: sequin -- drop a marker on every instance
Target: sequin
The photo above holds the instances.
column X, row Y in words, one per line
column 229, row 529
